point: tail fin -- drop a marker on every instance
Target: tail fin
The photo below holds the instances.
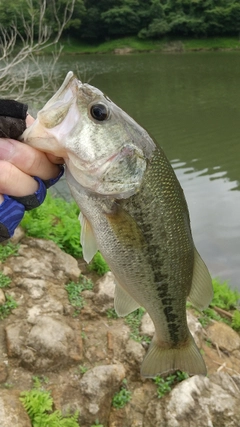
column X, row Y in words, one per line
column 160, row 360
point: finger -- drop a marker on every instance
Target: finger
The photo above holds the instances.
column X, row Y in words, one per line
column 27, row 159
column 14, row 182
column 29, row 120
column 54, row 159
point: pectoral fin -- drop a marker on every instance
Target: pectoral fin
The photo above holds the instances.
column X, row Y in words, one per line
column 201, row 292
column 87, row 239
column 123, row 302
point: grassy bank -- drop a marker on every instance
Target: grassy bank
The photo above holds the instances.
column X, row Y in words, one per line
column 134, row 44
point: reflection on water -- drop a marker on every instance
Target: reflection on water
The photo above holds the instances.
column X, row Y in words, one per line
column 190, row 104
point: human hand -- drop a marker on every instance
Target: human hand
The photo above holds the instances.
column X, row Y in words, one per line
column 20, row 164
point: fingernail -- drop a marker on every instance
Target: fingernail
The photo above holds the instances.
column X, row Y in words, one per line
column 6, row 149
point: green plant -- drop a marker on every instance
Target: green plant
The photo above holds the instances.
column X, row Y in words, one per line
column 133, row 320
column 8, row 249
column 98, row 264
column 55, row 220
column 165, row 385
column 83, row 369
column 224, row 297
column 236, row 320
column 38, row 404
column 111, row 314
column 4, row 280
column 122, row 397
column 74, row 291
column 7, row 307
column 38, row 381
column 97, row 424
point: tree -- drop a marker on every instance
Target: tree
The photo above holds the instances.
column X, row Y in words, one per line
column 22, row 42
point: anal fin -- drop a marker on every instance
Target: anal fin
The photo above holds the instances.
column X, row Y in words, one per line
column 124, row 304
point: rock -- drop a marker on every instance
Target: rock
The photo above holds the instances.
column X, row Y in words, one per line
column 18, row 236
column 2, row 297
column 3, row 372
column 135, row 352
column 34, row 287
column 197, row 401
column 147, row 326
column 50, row 343
column 123, row 51
column 12, row 412
column 98, row 386
column 40, row 257
column 105, row 287
column 223, row 336
column 41, row 337
column 195, row 328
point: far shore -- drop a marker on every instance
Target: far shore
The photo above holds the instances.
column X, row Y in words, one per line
column 131, row 45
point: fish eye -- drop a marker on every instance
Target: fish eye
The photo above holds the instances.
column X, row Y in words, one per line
column 99, row 112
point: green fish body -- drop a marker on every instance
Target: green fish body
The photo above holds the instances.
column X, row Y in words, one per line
column 134, row 211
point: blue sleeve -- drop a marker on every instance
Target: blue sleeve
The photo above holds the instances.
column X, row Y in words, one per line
column 12, row 208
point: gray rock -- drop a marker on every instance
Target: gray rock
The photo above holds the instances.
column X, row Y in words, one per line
column 49, row 343
column 197, row 401
column 98, row 386
column 2, row 297
column 195, row 328
column 43, row 257
column 223, row 336
column 12, row 413
column 104, row 292
column 135, row 352
column 147, row 326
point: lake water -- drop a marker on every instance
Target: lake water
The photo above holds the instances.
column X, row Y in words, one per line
column 190, row 104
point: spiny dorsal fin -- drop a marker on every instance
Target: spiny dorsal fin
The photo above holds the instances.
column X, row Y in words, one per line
column 201, row 292
column 87, row 239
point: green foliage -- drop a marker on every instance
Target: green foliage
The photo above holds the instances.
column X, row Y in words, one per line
column 236, row 320
column 224, row 296
column 97, row 424
column 55, row 220
column 83, row 369
column 8, row 249
column 165, row 385
column 39, row 381
column 98, row 264
column 133, row 320
column 111, row 314
column 38, row 404
column 7, row 307
column 98, row 21
column 4, row 280
column 74, row 291
column 121, row 398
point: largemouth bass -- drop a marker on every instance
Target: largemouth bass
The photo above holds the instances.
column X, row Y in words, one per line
column 134, row 211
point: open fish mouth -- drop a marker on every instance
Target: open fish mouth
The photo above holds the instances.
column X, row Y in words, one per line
column 56, row 119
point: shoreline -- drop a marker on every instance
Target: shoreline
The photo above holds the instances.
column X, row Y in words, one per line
column 133, row 45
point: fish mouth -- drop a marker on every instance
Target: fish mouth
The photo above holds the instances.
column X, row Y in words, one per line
column 56, row 119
